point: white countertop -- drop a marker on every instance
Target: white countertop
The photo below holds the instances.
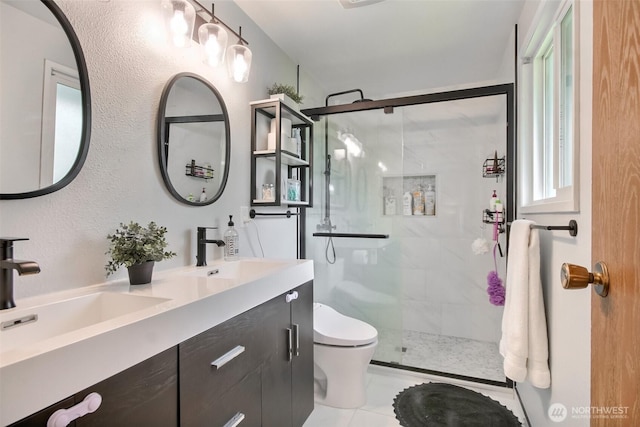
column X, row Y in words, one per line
column 36, row 375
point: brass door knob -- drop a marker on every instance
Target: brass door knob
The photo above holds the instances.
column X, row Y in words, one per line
column 577, row 277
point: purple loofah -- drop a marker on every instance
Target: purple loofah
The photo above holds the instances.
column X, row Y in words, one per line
column 495, row 288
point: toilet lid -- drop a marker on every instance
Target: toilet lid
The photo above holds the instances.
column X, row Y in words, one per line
column 333, row 328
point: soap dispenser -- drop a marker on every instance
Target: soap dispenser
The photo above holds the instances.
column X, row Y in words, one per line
column 231, row 239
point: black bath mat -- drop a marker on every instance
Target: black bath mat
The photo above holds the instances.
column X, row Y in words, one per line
column 446, row 405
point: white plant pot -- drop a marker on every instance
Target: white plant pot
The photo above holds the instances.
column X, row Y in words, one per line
column 285, row 99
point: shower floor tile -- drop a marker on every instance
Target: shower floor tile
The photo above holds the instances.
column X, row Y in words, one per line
column 453, row 355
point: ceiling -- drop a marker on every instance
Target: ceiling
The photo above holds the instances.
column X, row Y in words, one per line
column 390, row 47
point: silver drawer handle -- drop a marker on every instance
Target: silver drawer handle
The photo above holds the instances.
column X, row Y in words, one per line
column 237, row 419
column 227, row 357
column 289, row 344
column 296, row 339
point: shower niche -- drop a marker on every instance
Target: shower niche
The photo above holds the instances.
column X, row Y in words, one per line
column 281, row 155
column 409, row 195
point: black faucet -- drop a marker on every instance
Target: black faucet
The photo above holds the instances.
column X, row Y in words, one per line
column 201, row 257
column 7, row 264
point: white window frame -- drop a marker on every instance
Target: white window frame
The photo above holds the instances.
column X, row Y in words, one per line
column 53, row 75
column 539, row 190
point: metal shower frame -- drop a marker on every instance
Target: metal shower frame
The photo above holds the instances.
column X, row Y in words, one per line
column 388, row 106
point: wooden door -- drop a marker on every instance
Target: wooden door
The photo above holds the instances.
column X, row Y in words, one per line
column 615, row 320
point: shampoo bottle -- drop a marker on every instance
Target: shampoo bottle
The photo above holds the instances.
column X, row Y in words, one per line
column 418, row 201
column 492, row 201
column 430, row 201
column 406, row 204
column 231, row 248
column 203, row 196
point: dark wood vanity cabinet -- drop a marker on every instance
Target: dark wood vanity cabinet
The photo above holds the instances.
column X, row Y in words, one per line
column 256, row 367
column 40, row 418
column 145, row 394
column 264, row 372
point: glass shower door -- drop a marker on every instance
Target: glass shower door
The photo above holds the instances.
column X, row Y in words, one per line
column 418, row 177
column 358, row 276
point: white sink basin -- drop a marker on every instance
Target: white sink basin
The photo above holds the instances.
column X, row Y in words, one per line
column 28, row 325
column 240, row 271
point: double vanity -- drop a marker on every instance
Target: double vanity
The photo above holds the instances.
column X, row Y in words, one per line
column 226, row 344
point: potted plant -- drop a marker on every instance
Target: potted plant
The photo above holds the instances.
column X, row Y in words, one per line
column 283, row 92
column 137, row 248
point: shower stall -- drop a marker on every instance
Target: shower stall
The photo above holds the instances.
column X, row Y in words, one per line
column 404, row 229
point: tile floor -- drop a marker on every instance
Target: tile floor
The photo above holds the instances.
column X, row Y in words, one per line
column 461, row 356
column 383, row 384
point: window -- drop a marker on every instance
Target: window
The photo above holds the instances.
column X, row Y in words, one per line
column 549, row 125
column 61, row 122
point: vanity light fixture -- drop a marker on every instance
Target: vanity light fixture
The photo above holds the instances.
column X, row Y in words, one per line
column 239, row 60
column 179, row 19
column 213, row 36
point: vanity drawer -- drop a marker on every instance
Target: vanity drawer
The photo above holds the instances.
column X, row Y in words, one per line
column 239, row 406
column 238, row 346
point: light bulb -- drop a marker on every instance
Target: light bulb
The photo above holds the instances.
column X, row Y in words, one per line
column 179, row 28
column 212, row 50
column 239, row 68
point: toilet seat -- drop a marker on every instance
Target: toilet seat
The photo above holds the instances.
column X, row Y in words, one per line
column 333, row 328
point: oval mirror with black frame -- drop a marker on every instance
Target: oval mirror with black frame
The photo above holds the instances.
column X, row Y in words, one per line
column 194, row 142
column 45, row 104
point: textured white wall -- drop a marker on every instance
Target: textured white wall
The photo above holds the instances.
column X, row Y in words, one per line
column 129, row 64
column 568, row 312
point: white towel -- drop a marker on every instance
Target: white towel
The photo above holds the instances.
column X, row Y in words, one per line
column 524, row 343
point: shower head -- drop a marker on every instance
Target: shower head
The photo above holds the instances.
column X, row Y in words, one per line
column 362, row 98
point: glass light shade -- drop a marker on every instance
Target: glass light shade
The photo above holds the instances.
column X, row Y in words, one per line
column 179, row 19
column 239, row 62
column 213, row 39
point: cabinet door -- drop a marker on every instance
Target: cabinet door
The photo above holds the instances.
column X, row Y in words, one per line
column 287, row 381
column 276, row 374
column 144, row 395
column 40, row 418
column 302, row 362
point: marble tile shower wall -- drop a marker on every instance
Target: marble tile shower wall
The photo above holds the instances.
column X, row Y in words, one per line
column 443, row 283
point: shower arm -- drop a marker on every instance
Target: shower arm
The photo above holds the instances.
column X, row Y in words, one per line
column 326, row 100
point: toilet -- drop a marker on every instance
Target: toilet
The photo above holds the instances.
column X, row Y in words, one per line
column 342, row 349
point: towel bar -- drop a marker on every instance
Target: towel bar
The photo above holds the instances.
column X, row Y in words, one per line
column 572, row 227
column 288, row 214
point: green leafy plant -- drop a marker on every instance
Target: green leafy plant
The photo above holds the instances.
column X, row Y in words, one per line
column 133, row 244
column 287, row 90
